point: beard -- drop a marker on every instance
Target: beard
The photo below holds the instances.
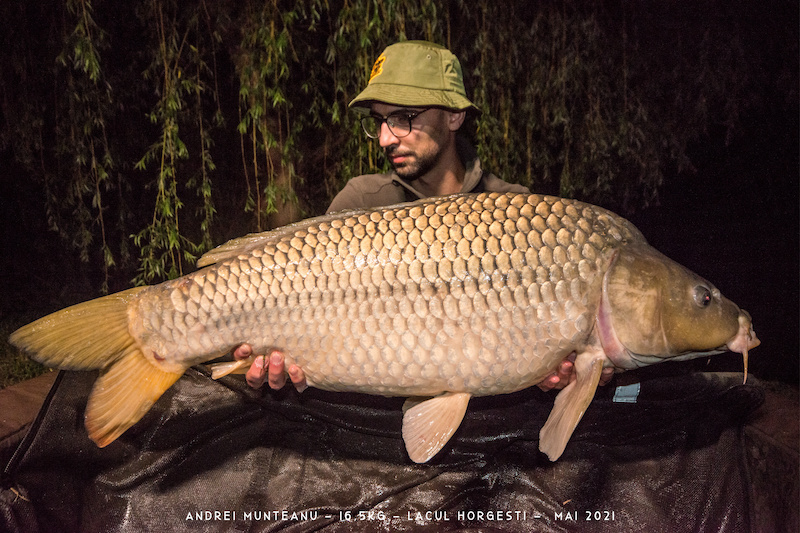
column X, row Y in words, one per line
column 415, row 166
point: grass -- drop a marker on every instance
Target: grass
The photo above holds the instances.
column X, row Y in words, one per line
column 15, row 366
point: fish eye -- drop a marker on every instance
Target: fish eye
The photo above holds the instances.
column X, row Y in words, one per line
column 702, row 296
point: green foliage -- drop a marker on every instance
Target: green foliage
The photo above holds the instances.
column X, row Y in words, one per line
column 575, row 105
column 15, row 366
column 180, row 67
column 184, row 123
column 82, row 139
column 266, row 59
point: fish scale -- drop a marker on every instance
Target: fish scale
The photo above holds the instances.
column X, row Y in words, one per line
column 451, row 295
column 439, row 301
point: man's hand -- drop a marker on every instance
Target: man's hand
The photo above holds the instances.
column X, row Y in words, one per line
column 565, row 373
column 560, row 378
column 274, row 372
column 271, row 368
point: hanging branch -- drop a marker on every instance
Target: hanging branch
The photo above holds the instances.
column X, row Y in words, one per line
column 266, row 60
column 202, row 183
column 593, row 100
column 164, row 247
column 88, row 102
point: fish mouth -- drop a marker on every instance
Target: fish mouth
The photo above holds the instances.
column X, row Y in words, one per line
column 744, row 340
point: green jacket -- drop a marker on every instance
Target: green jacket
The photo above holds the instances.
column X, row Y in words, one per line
column 377, row 190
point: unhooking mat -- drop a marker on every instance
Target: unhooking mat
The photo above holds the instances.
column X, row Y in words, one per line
column 665, row 454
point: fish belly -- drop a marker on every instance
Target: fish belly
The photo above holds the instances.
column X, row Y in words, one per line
column 482, row 294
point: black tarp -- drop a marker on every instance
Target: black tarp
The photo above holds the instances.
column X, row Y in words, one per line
column 218, row 456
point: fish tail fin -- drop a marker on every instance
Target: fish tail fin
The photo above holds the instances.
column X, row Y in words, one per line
column 86, row 336
column 123, row 394
column 94, row 335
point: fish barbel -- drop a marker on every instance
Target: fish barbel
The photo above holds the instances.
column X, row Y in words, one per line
column 438, row 300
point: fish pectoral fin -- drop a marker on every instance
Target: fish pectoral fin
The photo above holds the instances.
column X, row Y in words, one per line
column 123, row 394
column 570, row 405
column 428, row 423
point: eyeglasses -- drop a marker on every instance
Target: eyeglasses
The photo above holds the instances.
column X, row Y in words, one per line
column 399, row 123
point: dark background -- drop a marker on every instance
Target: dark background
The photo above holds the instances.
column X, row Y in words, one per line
column 735, row 222
column 732, row 218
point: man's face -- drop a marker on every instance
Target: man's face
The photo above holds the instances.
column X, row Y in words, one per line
column 417, row 153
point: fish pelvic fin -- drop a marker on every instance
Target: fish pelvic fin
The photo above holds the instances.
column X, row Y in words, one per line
column 570, row 404
column 123, row 394
column 86, row 336
column 428, row 423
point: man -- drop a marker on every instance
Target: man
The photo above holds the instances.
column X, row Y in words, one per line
column 414, row 105
column 342, row 466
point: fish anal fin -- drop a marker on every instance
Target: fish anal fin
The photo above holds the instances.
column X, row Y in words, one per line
column 239, row 366
column 429, row 423
column 570, row 404
column 123, row 394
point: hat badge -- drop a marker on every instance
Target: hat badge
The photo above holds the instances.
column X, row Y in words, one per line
column 377, row 68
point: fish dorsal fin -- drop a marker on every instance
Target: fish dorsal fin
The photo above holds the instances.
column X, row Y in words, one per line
column 123, row 394
column 236, row 247
column 570, row 404
column 428, row 423
column 247, row 243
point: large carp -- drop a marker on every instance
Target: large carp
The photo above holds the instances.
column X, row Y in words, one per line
column 438, row 300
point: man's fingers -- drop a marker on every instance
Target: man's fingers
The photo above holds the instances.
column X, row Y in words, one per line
column 243, row 351
column 560, row 378
column 270, row 369
column 566, row 373
column 606, row 376
column 549, row 383
column 277, row 375
column 257, row 374
column 298, row 377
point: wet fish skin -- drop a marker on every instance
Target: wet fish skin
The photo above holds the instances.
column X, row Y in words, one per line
column 450, row 297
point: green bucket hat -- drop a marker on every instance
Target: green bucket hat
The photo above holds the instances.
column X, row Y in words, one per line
column 416, row 74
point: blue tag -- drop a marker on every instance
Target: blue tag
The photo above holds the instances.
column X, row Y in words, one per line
column 627, row 393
